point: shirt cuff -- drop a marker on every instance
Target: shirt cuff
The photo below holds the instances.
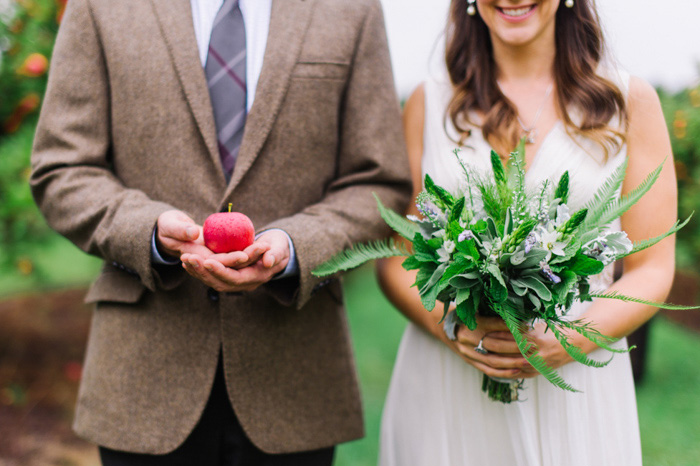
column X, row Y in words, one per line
column 292, row 266
column 156, row 256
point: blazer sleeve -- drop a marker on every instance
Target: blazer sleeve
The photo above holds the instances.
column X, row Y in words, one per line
column 71, row 180
column 371, row 159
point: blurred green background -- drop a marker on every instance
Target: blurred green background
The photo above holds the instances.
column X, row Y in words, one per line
column 43, row 276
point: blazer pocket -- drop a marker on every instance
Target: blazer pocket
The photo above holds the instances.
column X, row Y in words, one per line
column 115, row 286
column 320, row 70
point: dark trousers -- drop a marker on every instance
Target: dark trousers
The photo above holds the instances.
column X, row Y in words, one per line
column 218, row 440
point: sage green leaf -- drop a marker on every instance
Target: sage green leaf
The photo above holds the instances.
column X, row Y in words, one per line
column 358, row 255
column 463, row 294
column 534, row 283
column 532, row 258
column 535, row 300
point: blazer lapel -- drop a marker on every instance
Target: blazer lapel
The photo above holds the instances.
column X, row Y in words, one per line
column 176, row 26
column 288, row 23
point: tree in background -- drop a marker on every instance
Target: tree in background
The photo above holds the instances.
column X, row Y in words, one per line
column 682, row 111
column 27, row 32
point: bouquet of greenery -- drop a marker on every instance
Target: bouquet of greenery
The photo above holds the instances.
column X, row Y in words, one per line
column 499, row 249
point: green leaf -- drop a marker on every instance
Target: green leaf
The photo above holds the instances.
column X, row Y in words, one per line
column 580, row 264
column 441, row 194
column 456, row 211
column 568, row 279
column 429, row 291
column 424, row 273
column 499, row 173
column 358, row 255
column 468, row 247
column 562, row 191
column 411, row 263
column 460, row 265
column 422, row 250
column 462, row 295
column 399, row 224
column 467, row 313
column 574, row 222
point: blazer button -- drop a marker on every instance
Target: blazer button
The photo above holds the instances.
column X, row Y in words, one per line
column 213, row 295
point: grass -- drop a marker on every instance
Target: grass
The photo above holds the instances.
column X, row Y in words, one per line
column 54, row 263
column 669, row 410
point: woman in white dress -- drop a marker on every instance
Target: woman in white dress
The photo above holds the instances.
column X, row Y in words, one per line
column 529, row 68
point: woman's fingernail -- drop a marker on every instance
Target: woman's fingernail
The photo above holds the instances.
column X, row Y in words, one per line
column 194, row 264
column 209, row 267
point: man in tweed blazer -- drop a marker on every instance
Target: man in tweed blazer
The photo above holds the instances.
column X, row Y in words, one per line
column 127, row 141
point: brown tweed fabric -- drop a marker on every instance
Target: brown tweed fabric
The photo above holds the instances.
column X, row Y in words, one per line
column 126, row 132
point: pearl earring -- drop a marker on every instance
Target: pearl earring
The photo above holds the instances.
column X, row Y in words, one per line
column 471, row 9
column 569, row 3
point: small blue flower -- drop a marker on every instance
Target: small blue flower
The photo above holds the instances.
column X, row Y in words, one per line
column 530, row 242
column 465, row 235
column 547, row 272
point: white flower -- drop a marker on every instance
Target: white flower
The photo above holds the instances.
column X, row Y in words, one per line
column 449, row 246
column 549, row 241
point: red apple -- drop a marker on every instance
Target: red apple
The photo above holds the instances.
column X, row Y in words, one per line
column 228, row 232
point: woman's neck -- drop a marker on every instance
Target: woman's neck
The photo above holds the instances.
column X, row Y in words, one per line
column 531, row 62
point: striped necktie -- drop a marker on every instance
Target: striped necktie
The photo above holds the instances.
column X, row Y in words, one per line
column 225, row 71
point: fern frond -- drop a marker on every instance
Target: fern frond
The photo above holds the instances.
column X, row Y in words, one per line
column 621, row 205
column 529, row 350
column 647, row 243
column 399, row 224
column 358, row 255
column 574, row 351
column 632, row 299
column 605, row 195
column 585, row 329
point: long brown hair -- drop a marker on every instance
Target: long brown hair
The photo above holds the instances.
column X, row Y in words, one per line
column 579, row 87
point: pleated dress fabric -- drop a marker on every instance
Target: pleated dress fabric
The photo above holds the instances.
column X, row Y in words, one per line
column 436, row 414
